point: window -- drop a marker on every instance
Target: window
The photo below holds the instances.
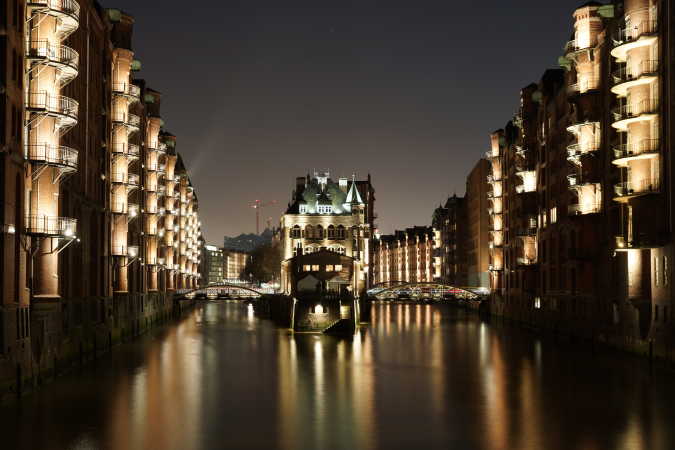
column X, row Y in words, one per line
column 307, row 268
column 330, row 268
column 331, row 232
column 295, row 232
column 315, row 268
column 554, row 214
column 656, row 271
column 309, row 232
column 340, row 232
column 303, row 209
column 665, row 271
column 338, row 267
column 319, row 232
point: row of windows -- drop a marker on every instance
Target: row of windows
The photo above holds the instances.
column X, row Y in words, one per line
column 318, row 232
column 318, row 268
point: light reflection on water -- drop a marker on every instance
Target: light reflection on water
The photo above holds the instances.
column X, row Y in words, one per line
column 419, row 376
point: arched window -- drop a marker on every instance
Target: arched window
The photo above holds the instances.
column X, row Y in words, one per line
column 295, row 232
column 331, row 232
column 337, row 249
column 309, row 232
column 309, row 250
column 340, row 232
column 319, row 232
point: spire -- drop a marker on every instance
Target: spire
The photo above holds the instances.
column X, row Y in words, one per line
column 353, row 196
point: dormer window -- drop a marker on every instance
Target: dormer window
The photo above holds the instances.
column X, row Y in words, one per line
column 325, row 209
column 303, row 209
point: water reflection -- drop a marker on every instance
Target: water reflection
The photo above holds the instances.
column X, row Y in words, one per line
column 419, row 376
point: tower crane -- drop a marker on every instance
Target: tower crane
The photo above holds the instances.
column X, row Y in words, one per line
column 257, row 205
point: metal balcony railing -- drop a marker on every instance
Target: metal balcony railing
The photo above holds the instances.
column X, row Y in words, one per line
column 53, row 226
column 119, row 249
column 127, row 90
column 630, row 188
column 53, row 155
column 118, row 207
column 636, row 148
column 623, row 75
column 68, row 11
column 119, row 177
column 574, row 46
column 585, row 85
column 627, row 34
column 133, row 180
column 646, row 106
column 52, row 104
column 577, row 209
column 68, row 7
column 521, row 261
column 127, row 119
column 133, row 209
column 54, row 54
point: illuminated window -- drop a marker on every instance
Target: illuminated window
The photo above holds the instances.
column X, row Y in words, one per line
column 554, row 214
column 537, row 303
column 315, row 268
column 296, row 232
column 338, row 267
column 330, row 268
column 307, row 268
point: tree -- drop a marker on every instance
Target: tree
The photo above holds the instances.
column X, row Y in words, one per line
column 264, row 264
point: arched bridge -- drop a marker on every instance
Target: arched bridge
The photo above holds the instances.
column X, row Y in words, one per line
column 220, row 289
column 421, row 289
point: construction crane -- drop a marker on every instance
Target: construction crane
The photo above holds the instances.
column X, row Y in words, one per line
column 257, row 205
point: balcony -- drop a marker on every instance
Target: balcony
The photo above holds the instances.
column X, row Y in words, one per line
column 51, row 226
column 132, row 182
column 574, row 47
column 583, row 86
column 526, row 262
column 574, row 151
column 526, row 232
column 127, row 90
column 133, row 151
column 133, row 210
column 119, row 207
column 63, row 58
column 646, row 72
column 624, row 115
column 638, row 35
column 124, row 119
column 628, row 189
column 67, row 11
column 119, row 178
column 644, row 149
column 577, row 209
column 59, row 156
column 63, row 108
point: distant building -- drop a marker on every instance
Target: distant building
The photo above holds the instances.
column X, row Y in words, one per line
column 330, row 215
column 478, row 224
column 451, row 240
column 248, row 242
column 234, row 262
column 405, row 256
column 212, row 265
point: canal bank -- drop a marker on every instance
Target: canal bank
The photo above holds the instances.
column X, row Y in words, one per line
column 65, row 334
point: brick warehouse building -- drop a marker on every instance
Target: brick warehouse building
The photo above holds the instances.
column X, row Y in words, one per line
column 582, row 196
column 99, row 217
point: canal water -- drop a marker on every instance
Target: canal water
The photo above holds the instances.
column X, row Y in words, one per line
column 419, row 376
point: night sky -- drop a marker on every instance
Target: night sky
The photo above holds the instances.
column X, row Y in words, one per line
column 261, row 91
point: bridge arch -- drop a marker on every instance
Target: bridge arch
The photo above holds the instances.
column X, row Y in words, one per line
column 257, row 291
column 385, row 289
